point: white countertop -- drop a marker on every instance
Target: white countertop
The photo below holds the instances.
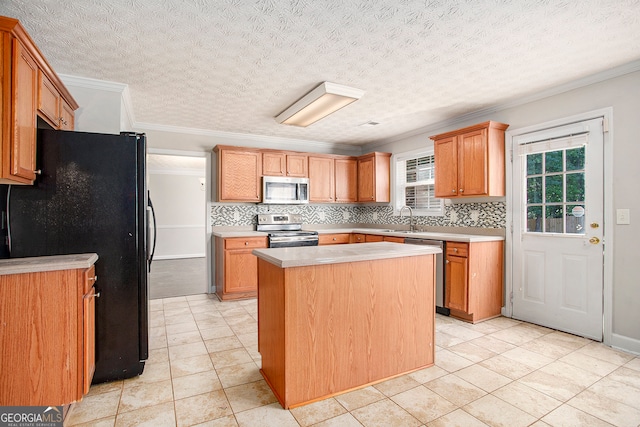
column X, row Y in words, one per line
column 333, row 254
column 451, row 237
column 46, row 263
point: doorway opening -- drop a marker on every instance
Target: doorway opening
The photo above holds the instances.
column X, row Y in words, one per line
column 177, row 186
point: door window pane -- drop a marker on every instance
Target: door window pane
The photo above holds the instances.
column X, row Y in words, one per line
column 575, row 159
column 534, row 164
column 575, row 219
column 553, row 189
column 534, row 190
column 553, row 161
column 554, row 219
column 534, row 219
column 575, row 187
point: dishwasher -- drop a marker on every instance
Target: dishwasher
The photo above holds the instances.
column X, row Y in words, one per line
column 440, row 308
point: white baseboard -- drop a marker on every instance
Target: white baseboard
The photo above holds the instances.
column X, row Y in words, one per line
column 180, row 256
column 627, row 344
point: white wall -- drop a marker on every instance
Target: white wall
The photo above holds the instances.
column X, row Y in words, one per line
column 179, row 200
column 623, row 94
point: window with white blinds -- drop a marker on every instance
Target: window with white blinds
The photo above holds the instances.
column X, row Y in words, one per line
column 415, row 183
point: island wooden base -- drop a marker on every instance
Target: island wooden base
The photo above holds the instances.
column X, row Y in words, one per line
column 331, row 328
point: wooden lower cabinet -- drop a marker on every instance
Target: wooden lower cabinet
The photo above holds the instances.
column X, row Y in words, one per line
column 474, row 280
column 236, row 267
column 47, row 337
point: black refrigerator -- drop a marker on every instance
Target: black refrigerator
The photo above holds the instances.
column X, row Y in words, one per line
column 91, row 196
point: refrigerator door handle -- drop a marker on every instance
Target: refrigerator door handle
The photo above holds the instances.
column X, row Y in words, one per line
column 153, row 247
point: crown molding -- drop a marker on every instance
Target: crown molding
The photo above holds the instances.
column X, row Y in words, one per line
column 280, row 142
column 89, row 83
column 602, row 76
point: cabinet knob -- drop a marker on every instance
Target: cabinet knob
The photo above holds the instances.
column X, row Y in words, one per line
column 462, row 190
column 94, row 294
column 38, row 171
column 455, row 249
column 334, row 238
column 246, row 243
column 453, row 191
column 93, row 279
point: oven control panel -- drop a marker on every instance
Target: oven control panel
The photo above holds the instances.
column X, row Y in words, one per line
column 264, row 219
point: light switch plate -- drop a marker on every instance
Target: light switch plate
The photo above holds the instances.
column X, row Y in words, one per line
column 623, row 216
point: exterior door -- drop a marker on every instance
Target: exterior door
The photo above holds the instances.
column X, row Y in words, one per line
column 558, row 228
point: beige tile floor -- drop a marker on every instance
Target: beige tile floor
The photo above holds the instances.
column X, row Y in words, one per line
column 203, row 370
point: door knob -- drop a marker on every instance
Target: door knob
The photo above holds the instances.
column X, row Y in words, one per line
column 594, row 240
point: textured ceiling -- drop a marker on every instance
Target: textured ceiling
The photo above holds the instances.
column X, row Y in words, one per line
column 232, row 65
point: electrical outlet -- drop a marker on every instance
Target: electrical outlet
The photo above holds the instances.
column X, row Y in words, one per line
column 321, row 215
column 375, row 216
column 236, row 216
column 623, row 216
column 345, row 215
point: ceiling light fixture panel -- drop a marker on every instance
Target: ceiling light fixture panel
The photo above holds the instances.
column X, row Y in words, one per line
column 323, row 100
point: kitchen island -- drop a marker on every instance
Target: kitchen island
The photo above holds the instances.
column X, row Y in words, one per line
column 335, row 318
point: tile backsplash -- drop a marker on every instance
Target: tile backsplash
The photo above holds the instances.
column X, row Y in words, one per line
column 483, row 215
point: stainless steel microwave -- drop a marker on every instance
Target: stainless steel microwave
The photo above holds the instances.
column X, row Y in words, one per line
column 285, row 191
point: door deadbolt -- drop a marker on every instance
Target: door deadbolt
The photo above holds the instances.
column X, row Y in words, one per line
column 595, row 225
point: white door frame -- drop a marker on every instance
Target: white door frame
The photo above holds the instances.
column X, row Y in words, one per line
column 607, row 296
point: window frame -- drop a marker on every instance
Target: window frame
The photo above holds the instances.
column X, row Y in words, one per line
column 397, row 189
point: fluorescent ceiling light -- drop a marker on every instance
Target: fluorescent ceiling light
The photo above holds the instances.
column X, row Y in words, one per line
column 319, row 103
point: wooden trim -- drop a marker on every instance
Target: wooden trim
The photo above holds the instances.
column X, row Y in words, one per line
column 484, row 125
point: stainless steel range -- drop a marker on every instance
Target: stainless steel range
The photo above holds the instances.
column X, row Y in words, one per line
column 285, row 230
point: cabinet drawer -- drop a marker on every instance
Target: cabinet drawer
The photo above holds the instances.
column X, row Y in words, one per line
column 333, row 239
column 248, row 242
column 458, row 249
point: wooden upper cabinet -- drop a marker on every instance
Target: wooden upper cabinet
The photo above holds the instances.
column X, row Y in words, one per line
column 52, row 107
column 346, row 180
column 470, row 161
column 30, row 88
column 239, row 174
column 321, row 179
column 284, row 164
column 374, row 178
column 23, row 140
column 297, row 165
column 332, row 178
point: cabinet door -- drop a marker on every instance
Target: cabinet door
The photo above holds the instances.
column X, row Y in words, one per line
column 273, row 164
column 446, row 167
column 456, row 283
column 89, row 329
column 297, row 165
column 346, row 172
column 366, row 179
column 89, row 338
column 67, row 116
column 321, row 179
column 241, row 271
column 239, row 173
column 48, row 101
column 25, row 88
column 472, row 163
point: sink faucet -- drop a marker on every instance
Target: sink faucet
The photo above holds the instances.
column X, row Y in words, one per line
column 411, row 226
